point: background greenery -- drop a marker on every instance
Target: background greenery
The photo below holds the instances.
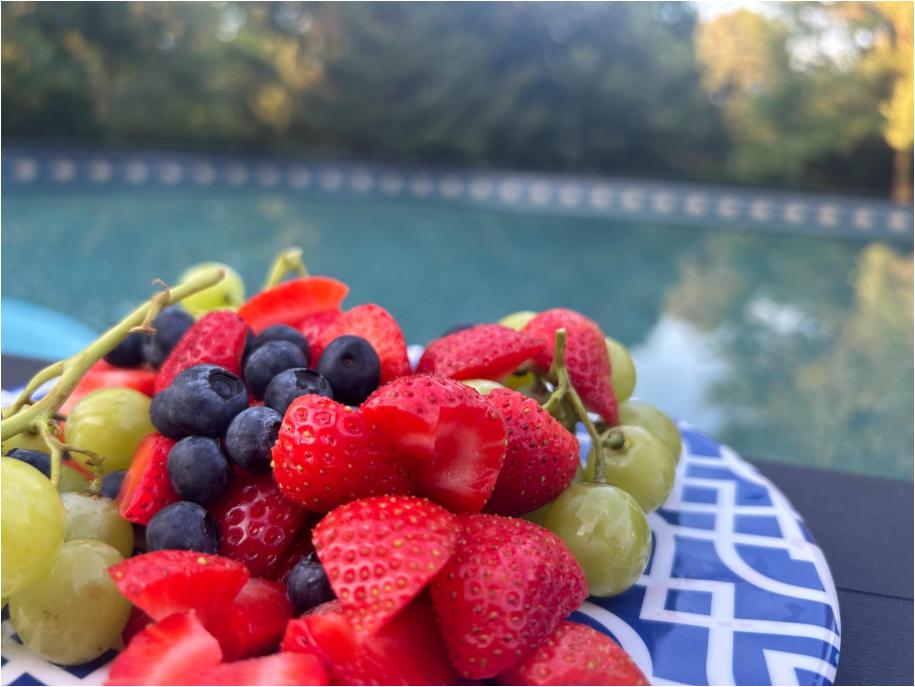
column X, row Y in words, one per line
column 800, row 95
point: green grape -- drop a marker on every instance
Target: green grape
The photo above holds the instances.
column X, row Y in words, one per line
column 76, row 613
column 522, row 379
column 517, row 320
column 655, row 421
column 27, row 440
column 622, row 367
column 607, row 533
column 484, row 386
column 95, row 517
column 32, row 525
column 71, row 479
column 110, row 422
column 642, row 465
column 229, row 293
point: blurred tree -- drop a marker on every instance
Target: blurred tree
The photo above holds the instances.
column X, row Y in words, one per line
column 809, row 90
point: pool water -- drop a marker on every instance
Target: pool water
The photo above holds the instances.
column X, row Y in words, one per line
column 788, row 348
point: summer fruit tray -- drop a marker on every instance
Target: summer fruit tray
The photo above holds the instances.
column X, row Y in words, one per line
column 278, row 491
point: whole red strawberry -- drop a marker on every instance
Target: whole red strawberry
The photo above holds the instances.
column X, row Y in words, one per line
column 586, row 357
column 506, row 589
column 541, row 458
column 217, row 338
column 256, row 522
column 326, row 454
column 146, row 488
column 454, row 439
column 575, row 654
column 374, row 324
column 484, row 351
column 403, row 540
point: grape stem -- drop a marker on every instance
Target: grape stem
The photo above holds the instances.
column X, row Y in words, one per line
column 594, row 467
column 289, row 260
column 38, row 417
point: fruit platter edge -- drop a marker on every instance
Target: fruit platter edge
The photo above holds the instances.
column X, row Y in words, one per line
column 736, row 591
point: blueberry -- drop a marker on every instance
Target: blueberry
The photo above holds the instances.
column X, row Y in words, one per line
column 251, row 436
column 183, row 525
column 352, row 367
column 39, row 460
column 128, row 353
column 198, row 469
column 283, row 332
column 203, row 400
column 170, row 324
column 458, row 328
column 267, row 361
column 307, row 584
column 288, row 385
column 158, row 415
column 111, row 483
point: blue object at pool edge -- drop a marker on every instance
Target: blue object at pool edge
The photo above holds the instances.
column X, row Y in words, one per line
column 34, row 331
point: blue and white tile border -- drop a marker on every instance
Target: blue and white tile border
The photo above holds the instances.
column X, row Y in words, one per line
column 675, row 203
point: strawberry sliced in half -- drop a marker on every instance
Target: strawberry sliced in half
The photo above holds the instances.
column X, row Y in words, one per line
column 177, row 650
column 313, row 324
column 254, row 622
column 407, row 651
column 147, row 488
column 166, row 582
column 293, row 300
column 278, row 669
column 403, row 540
column 455, row 440
column 376, row 325
column 484, row 351
column 102, row 376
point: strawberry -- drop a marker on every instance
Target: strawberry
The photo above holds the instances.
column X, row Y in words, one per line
column 292, row 301
column 407, row 651
column 374, row 324
column 165, row 582
column 300, row 547
column 102, row 375
column 403, row 540
column 254, row 621
column 586, row 357
column 326, row 454
column 217, row 338
column 507, row 587
column 541, row 458
column 453, row 437
column 277, row 669
column 575, row 654
column 147, row 488
column 313, row 324
column 256, row 522
column 177, row 650
column 484, row 351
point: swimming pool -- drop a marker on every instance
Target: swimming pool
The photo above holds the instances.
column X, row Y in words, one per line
column 788, row 347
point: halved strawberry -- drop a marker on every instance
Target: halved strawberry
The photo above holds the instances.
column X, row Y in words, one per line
column 326, row 454
column 454, row 438
column 374, row 324
column 507, row 587
column 177, row 650
column 403, row 540
column 290, row 302
column 256, row 522
column 277, row 669
column 313, row 324
column 254, row 621
column 407, row 651
column 217, row 338
column 166, row 582
column 586, row 356
column 102, row 375
column 147, row 488
column 484, row 351
column 575, row 654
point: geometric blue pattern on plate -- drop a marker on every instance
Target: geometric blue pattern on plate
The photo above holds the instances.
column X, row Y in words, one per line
column 736, row 591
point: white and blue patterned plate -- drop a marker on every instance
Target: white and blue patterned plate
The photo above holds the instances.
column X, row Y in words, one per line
column 736, row 591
